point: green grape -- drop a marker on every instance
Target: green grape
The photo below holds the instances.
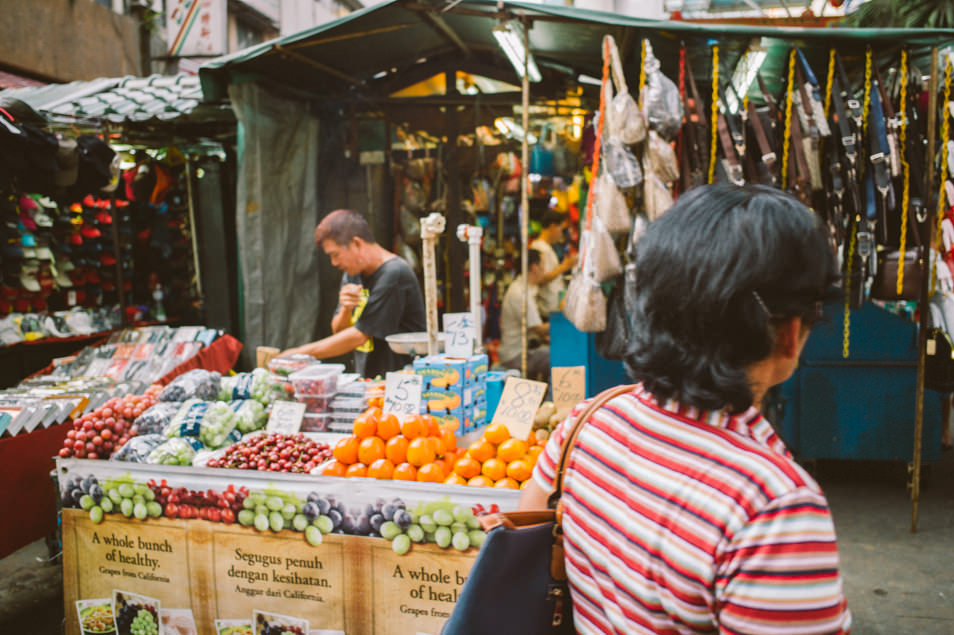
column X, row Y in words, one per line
column 461, row 541
column 154, row 509
column 140, row 511
column 140, row 489
column 462, row 513
column 299, row 522
column 246, row 517
column 389, row 530
column 415, row 533
column 427, row 523
column 114, row 495
column 261, row 509
column 139, row 499
column 261, row 522
column 276, row 522
column 477, row 537
column 288, row 511
column 150, row 495
column 106, row 504
column 313, row 535
column 249, row 502
column 126, row 507
column 443, row 517
column 96, row 514
column 274, row 503
column 325, row 524
column 473, row 523
column 401, row 544
column 126, row 490
column 457, row 527
column 87, row 502
column 442, row 536
column 144, row 624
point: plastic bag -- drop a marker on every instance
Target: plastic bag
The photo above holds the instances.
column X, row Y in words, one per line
column 257, row 385
column 656, row 197
column 250, row 415
column 584, row 303
column 613, row 341
column 410, row 226
column 621, row 163
column 624, row 119
column 600, row 253
column 217, row 428
column 138, row 448
column 197, row 383
column 285, row 366
column 610, row 205
column 156, row 418
column 178, row 451
column 661, row 102
column 662, row 159
column 413, row 196
column 188, row 419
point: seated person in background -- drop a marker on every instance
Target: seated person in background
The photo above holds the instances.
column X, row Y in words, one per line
column 553, row 224
column 379, row 296
column 511, row 312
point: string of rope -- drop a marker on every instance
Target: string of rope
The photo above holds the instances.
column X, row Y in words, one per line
column 945, row 137
column 642, row 71
column 598, row 144
column 866, row 104
column 714, row 123
column 905, row 167
column 831, row 78
column 846, row 331
column 789, row 93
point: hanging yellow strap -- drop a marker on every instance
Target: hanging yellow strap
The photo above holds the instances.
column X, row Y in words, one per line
column 905, row 168
column 831, row 79
column 714, row 133
column 789, row 92
column 642, row 71
column 866, row 104
column 941, row 196
column 846, row 343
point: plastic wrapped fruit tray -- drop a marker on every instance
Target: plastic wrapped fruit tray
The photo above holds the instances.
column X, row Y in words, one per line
column 315, row 404
column 318, row 379
column 316, row 422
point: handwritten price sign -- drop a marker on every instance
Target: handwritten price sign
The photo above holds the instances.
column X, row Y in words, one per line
column 518, row 403
column 459, row 334
column 402, row 394
column 286, row 417
column 569, row 385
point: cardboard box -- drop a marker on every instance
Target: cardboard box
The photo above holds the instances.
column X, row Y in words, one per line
column 441, row 372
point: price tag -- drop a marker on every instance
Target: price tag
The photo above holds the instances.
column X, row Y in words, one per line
column 459, row 334
column 286, row 417
column 402, row 394
column 518, row 403
column 569, row 385
column 71, row 298
column 5, row 419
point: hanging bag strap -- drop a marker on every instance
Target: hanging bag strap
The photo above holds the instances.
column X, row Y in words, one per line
column 702, row 126
column 769, row 158
column 595, row 404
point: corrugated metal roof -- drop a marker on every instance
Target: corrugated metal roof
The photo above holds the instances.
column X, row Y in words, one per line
column 117, row 100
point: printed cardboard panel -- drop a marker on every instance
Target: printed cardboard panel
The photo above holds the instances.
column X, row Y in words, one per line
column 441, row 372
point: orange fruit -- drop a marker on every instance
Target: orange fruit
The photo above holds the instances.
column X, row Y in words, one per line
column 420, row 452
column 357, row 469
column 435, row 445
column 431, row 425
column 494, row 469
column 388, row 426
column 511, row 450
column 412, row 427
column 405, row 472
column 480, row 481
column 396, row 449
column 448, row 440
column 346, row 450
column 334, row 468
column 455, row 479
column 496, row 433
column 507, row 483
column 519, row 470
column 364, row 425
column 533, row 452
column 370, row 450
column 431, row 473
column 382, row 468
column 525, row 484
column 374, row 411
column 481, row 450
column 466, row 467
column 444, row 465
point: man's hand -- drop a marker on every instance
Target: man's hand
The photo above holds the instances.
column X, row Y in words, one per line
column 350, row 296
column 569, row 261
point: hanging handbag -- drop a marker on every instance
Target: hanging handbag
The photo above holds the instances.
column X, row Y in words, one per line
column 885, row 285
column 518, row 583
column 611, row 206
column 613, row 341
column 623, row 116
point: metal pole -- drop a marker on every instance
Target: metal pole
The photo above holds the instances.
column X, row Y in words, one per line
column 925, row 290
column 525, row 198
column 192, row 229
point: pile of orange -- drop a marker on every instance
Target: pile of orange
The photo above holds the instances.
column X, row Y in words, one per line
column 414, row 448
column 496, row 460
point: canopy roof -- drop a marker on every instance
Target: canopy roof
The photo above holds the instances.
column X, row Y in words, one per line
column 367, row 55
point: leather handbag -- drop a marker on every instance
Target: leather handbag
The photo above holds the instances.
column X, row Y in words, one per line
column 518, row 583
column 885, row 286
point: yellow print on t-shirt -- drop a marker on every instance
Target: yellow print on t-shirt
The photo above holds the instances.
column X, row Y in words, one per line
column 368, row 346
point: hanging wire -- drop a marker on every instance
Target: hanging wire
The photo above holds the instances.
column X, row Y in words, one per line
column 905, row 167
column 831, row 78
column 866, row 106
column 787, row 143
column 715, row 112
column 945, row 136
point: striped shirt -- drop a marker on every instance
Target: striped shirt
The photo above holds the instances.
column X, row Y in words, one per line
column 682, row 521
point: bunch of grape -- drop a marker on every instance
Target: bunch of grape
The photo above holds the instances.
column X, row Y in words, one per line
column 265, row 628
column 440, row 522
column 98, row 434
column 276, row 510
column 181, row 502
column 136, row 619
column 123, row 496
column 274, row 453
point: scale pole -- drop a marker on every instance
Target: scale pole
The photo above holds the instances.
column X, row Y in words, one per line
column 525, row 197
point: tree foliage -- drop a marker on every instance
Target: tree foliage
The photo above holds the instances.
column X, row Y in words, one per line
column 927, row 14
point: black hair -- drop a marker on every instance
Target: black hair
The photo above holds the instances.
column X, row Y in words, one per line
column 552, row 217
column 533, row 257
column 712, row 276
column 342, row 226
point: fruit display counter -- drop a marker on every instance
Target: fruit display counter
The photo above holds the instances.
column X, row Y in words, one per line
column 216, row 550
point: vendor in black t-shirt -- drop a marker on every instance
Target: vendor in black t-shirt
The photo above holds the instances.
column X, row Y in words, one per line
column 379, row 296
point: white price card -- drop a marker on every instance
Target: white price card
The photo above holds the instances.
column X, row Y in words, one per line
column 569, row 385
column 518, row 404
column 459, row 334
column 402, row 394
column 286, row 417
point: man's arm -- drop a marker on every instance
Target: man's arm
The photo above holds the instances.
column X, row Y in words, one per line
column 568, row 261
column 341, row 320
column 342, row 342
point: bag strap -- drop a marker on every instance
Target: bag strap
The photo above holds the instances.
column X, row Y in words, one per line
column 616, row 65
column 595, row 404
column 769, row 158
